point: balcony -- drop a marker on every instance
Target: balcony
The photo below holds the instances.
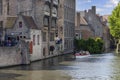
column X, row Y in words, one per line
column 46, row 13
column 54, row 12
column 54, row 15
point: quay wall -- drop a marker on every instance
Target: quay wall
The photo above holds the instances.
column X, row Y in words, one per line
column 10, row 56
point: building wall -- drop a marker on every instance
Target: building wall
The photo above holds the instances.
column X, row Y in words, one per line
column 13, row 10
column 9, row 56
column 86, row 32
column 94, row 21
column 25, row 7
column 37, row 48
column 38, row 12
column 106, row 39
column 9, row 8
column 82, row 28
column 68, row 24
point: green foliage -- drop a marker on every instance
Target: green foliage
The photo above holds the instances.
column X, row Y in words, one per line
column 114, row 21
column 94, row 46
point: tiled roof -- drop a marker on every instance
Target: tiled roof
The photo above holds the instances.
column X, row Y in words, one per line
column 10, row 22
column 30, row 22
column 83, row 21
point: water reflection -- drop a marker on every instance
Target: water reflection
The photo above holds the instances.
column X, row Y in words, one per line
column 94, row 67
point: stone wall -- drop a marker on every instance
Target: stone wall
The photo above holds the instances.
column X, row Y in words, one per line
column 95, row 23
column 16, row 55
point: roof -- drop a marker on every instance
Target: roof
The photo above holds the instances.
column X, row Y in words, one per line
column 105, row 17
column 83, row 21
column 30, row 22
column 10, row 22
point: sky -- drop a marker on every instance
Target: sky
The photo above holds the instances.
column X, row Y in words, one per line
column 103, row 7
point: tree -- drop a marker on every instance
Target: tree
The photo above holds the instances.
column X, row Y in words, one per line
column 94, row 46
column 114, row 21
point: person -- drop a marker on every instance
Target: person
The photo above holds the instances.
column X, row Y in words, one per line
column 57, row 39
column 52, row 49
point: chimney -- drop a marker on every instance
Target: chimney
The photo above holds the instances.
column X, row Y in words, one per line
column 94, row 9
column 78, row 19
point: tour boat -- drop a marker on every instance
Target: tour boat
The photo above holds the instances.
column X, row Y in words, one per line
column 82, row 54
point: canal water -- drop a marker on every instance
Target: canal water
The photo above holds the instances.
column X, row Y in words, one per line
column 94, row 67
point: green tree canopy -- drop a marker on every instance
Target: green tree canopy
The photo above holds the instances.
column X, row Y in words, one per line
column 114, row 21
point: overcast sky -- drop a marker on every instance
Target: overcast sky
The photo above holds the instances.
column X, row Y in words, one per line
column 103, row 7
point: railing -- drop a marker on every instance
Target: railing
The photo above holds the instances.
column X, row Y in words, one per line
column 8, row 43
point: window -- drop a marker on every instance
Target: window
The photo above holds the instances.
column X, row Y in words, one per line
column 33, row 39
column 38, row 39
column 8, row 7
column 51, row 36
column 53, row 22
column 1, row 24
column 44, row 36
column 46, row 21
column 18, row 38
column 44, row 51
column 20, row 24
column 47, row 8
column 76, row 34
column 1, row 7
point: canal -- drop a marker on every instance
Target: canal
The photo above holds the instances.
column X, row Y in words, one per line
column 94, row 67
